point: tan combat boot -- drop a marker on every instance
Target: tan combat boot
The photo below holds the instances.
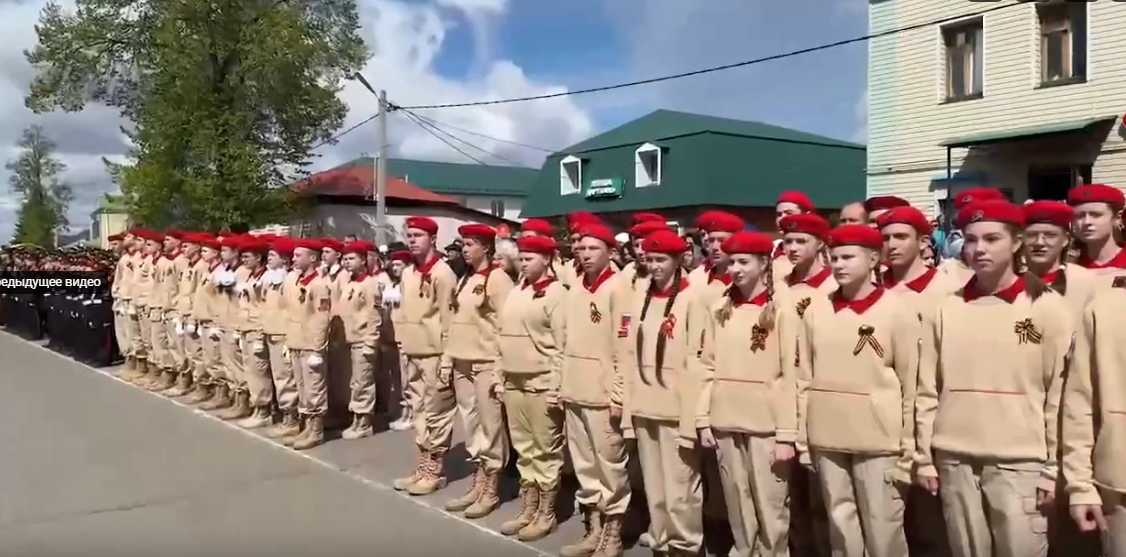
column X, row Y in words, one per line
column 314, row 436
column 529, row 502
column 545, row 521
column 403, row 484
column 435, row 477
column 142, row 372
column 290, row 425
column 239, row 410
column 361, row 427
column 220, row 398
column 200, row 393
column 592, row 537
column 488, row 501
column 129, row 371
column 611, row 545
column 183, row 386
column 261, row 417
column 471, row 496
column 302, row 431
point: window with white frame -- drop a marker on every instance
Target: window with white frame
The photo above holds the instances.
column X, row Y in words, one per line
column 570, row 175
column 647, row 166
column 965, row 57
column 1063, row 41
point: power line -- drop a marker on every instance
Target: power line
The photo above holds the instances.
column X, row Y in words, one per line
column 437, row 128
column 336, row 137
column 479, row 134
column 423, row 125
column 714, row 69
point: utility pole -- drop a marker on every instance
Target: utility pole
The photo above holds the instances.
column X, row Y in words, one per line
column 381, row 174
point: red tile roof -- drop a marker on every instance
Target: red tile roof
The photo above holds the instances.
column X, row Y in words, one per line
column 358, row 180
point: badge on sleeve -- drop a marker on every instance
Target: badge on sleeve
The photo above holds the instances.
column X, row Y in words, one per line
column 1026, row 332
column 595, row 315
column 623, row 327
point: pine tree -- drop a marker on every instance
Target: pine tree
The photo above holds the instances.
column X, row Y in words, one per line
column 45, row 199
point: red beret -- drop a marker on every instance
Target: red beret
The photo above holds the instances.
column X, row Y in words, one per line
column 401, row 255
column 994, row 211
column 581, row 217
column 254, row 245
column 664, row 241
column 332, row 244
column 974, row 195
column 704, row 220
column 646, row 228
column 479, row 231
column 191, row 237
column 360, row 247
column 148, row 235
column 175, row 233
column 1096, row 193
column 208, row 241
column 283, row 246
column 720, row 221
column 639, row 218
column 116, row 237
column 885, row 202
column 425, row 224
column 797, row 198
column 539, row 226
column 856, row 235
column 1051, row 212
column 267, row 237
column 599, row 232
column 745, row 241
column 311, row 244
column 807, row 223
column 234, row 242
column 905, row 215
column 536, row 244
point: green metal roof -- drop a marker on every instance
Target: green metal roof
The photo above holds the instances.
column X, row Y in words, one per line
column 1026, row 132
column 729, row 166
column 667, row 124
column 448, row 178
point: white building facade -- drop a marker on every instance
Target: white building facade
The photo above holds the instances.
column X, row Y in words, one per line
column 1025, row 97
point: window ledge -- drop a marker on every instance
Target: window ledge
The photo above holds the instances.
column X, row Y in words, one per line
column 973, row 97
column 1062, row 82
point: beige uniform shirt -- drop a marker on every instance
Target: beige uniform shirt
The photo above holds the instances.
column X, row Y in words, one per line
column 360, row 308
column 143, row 277
column 275, row 321
column 206, row 294
column 477, row 302
column 308, row 305
column 426, row 314
column 596, row 348
column 251, row 297
column 532, row 333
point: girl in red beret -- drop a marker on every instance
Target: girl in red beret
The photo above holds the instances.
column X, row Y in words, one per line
column 637, row 274
column 859, row 358
column 747, row 407
column 658, row 409
column 1098, row 222
column 990, row 381
column 804, row 237
column 472, row 354
column 531, row 350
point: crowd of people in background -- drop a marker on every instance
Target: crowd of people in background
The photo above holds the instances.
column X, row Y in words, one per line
column 875, row 388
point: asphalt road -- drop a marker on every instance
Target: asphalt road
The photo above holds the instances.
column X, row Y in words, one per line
column 90, row 465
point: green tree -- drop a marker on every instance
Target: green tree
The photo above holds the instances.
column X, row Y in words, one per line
column 226, row 98
column 45, row 198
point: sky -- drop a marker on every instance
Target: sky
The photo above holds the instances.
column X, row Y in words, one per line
column 452, row 51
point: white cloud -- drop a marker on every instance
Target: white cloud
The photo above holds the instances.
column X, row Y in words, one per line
column 406, row 37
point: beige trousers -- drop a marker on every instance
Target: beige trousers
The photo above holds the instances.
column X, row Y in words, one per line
column 142, row 341
column 121, row 332
column 231, row 359
column 256, row 369
column 439, row 404
column 599, row 457
column 160, row 355
column 313, row 393
column 1114, row 539
column 673, row 488
column 482, row 414
column 864, row 504
column 415, row 371
column 757, row 497
column 536, row 430
column 175, row 343
column 990, row 507
column 362, row 379
column 208, row 355
column 193, row 353
column 281, row 371
column 133, row 333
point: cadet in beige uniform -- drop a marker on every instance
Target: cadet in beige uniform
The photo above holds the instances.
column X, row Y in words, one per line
column 359, row 306
column 201, row 324
column 428, row 286
column 1046, row 234
column 804, row 238
column 128, row 329
column 956, row 268
column 856, row 392
column 531, row 341
column 308, row 305
column 188, row 270
column 993, row 356
column 226, row 328
column 595, row 351
column 397, row 262
column 636, row 276
column 275, row 324
column 142, row 287
column 472, row 352
column 659, row 403
column 172, row 275
column 1094, row 421
column 747, row 405
column 789, row 203
column 256, row 379
column 1098, row 216
column 164, row 280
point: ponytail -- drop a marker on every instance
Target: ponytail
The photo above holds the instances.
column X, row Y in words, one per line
column 769, row 316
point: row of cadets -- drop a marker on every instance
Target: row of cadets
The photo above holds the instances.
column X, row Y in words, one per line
column 746, row 409
column 993, row 353
column 858, row 366
column 359, row 302
column 1098, row 223
column 596, row 350
column 423, row 329
column 531, row 339
column 473, row 354
column 308, row 305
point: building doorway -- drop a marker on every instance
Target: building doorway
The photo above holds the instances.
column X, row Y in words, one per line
column 1053, row 182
